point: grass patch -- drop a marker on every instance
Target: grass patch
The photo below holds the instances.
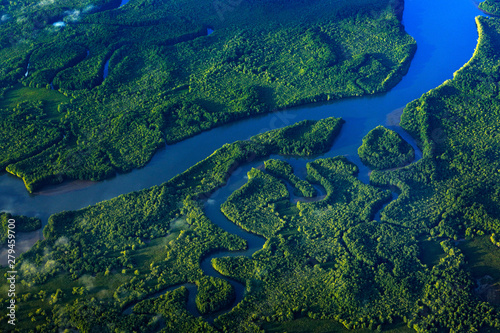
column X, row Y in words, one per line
column 155, row 251
column 482, row 256
column 50, row 98
column 483, row 260
column 37, row 298
column 430, row 252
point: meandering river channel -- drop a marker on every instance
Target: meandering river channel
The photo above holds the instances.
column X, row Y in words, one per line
column 446, row 35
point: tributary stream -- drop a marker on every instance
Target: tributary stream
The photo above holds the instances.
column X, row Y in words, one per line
column 446, row 36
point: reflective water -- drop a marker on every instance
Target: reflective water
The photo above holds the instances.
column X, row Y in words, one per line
column 446, row 35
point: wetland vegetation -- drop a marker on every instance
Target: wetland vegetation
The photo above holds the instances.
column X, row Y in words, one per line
column 169, row 80
column 385, row 149
column 22, row 224
column 423, row 266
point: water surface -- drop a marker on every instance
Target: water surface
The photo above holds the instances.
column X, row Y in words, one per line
column 446, row 35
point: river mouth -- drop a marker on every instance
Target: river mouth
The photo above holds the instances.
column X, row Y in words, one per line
column 361, row 114
column 446, row 40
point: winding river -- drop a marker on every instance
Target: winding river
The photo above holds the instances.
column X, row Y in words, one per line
column 446, row 35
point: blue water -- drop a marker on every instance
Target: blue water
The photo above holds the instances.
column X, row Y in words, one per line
column 446, row 40
column 105, row 70
column 123, row 3
column 446, row 35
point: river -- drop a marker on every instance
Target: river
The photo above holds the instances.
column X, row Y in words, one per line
column 446, row 35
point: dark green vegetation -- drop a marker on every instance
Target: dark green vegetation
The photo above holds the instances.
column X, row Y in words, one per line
column 431, row 252
column 323, row 260
column 490, row 7
column 168, row 80
column 26, row 130
column 483, row 259
column 213, row 295
column 454, row 190
column 305, row 138
column 383, row 149
column 119, row 251
column 284, row 170
column 253, row 206
column 173, row 314
column 307, row 325
column 22, row 224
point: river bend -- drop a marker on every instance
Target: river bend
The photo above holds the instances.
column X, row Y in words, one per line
column 446, row 36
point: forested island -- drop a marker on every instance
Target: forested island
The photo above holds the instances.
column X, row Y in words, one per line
column 430, row 263
column 168, row 79
column 384, row 149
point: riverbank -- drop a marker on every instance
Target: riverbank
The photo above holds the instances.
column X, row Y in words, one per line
column 358, row 123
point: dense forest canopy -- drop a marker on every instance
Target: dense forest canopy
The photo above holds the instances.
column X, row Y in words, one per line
column 430, row 263
column 383, row 148
column 107, row 256
column 21, row 223
column 490, row 7
column 168, row 79
column 453, row 192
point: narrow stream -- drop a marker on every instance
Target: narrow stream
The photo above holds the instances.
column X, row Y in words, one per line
column 213, row 212
column 255, row 242
column 106, row 69
column 446, row 40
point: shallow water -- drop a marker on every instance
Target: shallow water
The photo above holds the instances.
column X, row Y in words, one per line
column 105, row 70
column 446, row 35
column 446, row 40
